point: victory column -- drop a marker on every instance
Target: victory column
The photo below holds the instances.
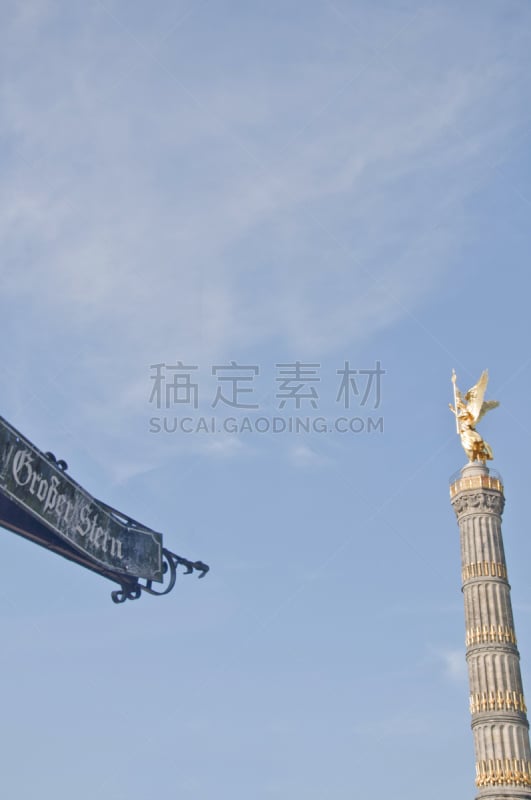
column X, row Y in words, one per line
column 499, row 720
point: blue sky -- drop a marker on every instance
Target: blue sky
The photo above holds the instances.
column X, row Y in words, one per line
column 260, row 183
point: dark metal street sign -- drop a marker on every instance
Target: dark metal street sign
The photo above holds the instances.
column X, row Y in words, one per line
column 36, row 484
column 41, row 502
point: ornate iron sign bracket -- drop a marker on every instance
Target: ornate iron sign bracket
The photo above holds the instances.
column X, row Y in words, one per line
column 171, row 562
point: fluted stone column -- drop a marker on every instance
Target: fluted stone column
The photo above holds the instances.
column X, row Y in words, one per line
column 499, row 720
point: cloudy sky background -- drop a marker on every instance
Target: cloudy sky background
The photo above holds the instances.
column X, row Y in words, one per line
column 206, row 182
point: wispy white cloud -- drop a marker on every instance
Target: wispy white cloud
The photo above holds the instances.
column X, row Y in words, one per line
column 454, row 664
column 157, row 208
column 224, row 446
column 301, row 455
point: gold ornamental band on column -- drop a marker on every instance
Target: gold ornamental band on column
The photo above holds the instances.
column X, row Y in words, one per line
column 484, row 569
column 489, row 635
column 497, row 701
column 503, row 772
column 476, row 482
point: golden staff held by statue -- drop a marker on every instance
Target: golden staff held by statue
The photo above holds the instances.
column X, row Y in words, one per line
column 468, row 411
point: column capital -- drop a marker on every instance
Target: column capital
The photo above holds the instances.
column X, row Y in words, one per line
column 483, row 500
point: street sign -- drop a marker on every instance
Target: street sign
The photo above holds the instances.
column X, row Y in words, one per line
column 41, row 502
column 36, row 484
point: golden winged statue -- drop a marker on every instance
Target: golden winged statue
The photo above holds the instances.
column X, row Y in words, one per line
column 468, row 410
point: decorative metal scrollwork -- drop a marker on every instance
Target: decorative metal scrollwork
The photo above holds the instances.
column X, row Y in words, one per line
column 60, row 464
column 126, row 593
column 132, row 591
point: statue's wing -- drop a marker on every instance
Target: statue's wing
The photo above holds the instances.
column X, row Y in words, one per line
column 488, row 405
column 475, row 395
